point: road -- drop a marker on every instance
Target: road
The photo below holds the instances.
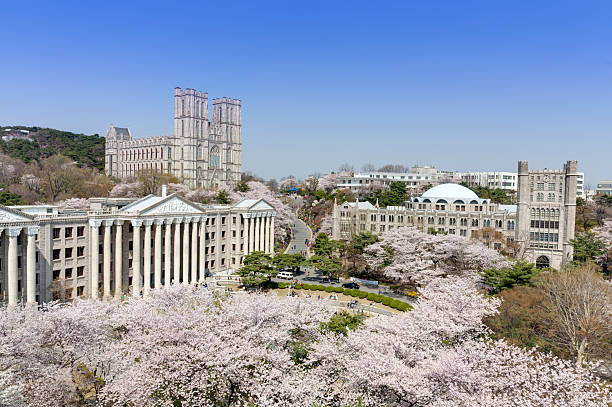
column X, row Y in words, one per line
column 301, row 232
column 309, row 275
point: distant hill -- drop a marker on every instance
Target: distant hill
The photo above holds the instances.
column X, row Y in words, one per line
column 42, row 142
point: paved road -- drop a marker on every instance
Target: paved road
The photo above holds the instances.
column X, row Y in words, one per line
column 301, row 232
column 309, row 275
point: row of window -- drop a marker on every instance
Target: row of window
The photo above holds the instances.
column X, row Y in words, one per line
column 545, row 213
column 68, row 232
column 544, row 237
column 68, row 252
column 57, row 274
column 545, row 224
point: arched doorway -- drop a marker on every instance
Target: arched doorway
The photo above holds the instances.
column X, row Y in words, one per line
column 542, row 262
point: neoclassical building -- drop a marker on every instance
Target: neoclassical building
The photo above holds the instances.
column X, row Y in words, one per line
column 201, row 152
column 541, row 225
column 124, row 246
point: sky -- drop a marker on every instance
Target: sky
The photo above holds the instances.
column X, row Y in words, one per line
column 461, row 85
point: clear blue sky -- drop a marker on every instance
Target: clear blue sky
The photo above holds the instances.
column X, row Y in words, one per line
column 459, row 85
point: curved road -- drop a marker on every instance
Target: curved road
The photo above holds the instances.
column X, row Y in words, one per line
column 301, row 232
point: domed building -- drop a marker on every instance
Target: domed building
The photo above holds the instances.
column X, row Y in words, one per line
column 539, row 228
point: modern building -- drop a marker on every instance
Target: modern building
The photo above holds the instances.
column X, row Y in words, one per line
column 491, row 179
column 540, row 227
column 362, row 181
column 201, row 152
column 124, row 247
column 604, row 187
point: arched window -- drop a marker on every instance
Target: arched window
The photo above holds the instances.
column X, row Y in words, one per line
column 213, row 161
column 199, row 152
column 542, row 262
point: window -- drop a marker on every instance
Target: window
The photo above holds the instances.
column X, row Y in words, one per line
column 80, row 291
column 475, row 222
column 56, row 233
column 68, row 232
column 81, row 231
column 68, row 272
column 214, row 157
column 80, row 271
column 68, row 253
column 81, row 251
column 56, row 274
column 56, row 254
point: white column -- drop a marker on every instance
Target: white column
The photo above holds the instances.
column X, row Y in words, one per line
column 257, row 233
column 186, row 250
column 177, row 250
column 136, row 224
column 146, row 282
column 94, row 239
column 158, row 251
column 107, row 258
column 194, row 251
column 202, row 249
column 32, row 231
column 12, row 265
column 271, row 234
column 251, row 234
column 118, row 258
column 247, row 227
column 264, row 234
column 168, row 253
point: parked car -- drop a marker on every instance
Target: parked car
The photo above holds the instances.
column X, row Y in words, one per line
column 351, row 285
column 287, row 275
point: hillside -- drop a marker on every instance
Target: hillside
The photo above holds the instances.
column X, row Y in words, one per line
column 85, row 150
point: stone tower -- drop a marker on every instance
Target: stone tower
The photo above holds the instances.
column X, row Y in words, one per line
column 190, row 131
column 546, row 214
column 225, row 144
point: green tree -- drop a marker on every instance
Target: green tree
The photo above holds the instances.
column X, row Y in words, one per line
column 242, row 186
column 223, row 198
column 257, row 268
column 329, row 266
column 587, row 247
column 288, row 261
column 326, row 247
column 8, row 198
column 519, row 273
column 341, row 322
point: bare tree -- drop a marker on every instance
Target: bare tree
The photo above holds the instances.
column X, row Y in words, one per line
column 579, row 301
column 369, row 167
column 273, row 184
column 151, row 180
column 393, row 168
column 346, row 167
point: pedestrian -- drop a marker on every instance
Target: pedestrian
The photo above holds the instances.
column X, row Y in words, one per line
column 319, row 297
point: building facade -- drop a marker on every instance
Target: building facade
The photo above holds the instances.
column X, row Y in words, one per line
column 540, row 227
column 604, row 187
column 122, row 247
column 203, row 152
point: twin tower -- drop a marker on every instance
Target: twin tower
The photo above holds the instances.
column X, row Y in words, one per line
column 204, row 151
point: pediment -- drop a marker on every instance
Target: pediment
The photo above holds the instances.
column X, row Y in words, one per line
column 11, row 215
column 262, row 205
column 173, row 204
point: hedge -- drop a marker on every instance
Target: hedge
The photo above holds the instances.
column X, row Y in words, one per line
column 388, row 301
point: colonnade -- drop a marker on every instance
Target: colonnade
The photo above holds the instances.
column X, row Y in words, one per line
column 258, row 232
column 12, row 266
column 186, row 255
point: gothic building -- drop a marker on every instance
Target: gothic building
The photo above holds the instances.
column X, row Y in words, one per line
column 540, row 226
column 203, row 152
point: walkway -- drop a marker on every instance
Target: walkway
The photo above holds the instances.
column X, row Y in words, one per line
column 301, row 232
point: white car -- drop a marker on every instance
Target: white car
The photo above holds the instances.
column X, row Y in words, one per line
column 287, row 275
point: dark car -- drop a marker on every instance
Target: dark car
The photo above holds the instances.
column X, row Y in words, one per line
column 351, row 285
column 330, row 280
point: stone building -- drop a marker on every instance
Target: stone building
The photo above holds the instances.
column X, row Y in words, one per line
column 124, row 247
column 202, row 152
column 540, row 226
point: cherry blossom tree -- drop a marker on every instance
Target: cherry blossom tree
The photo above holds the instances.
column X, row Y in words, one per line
column 74, row 203
column 409, row 255
column 126, row 190
column 285, row 215
column 189, row 346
